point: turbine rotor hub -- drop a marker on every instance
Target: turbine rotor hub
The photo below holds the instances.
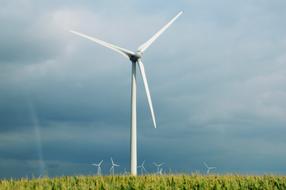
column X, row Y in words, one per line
column 135, row 57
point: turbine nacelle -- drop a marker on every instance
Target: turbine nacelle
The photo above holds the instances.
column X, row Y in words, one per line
column 134, row 58
column 139, row 53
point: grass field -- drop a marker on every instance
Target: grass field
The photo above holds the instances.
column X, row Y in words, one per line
column 149, row 182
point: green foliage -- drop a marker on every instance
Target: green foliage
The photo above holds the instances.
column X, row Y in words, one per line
column 165, row 182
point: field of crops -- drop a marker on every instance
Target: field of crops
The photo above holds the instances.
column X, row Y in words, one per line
column 149, row 182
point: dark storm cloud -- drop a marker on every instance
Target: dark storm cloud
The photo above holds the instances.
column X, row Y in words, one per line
column 25, row 37
column 217, row 81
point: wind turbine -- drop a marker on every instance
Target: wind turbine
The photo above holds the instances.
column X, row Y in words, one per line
column 98, row 167
column 158, row 165
column 142, row 168
column 209, row 168
column 125, row 172
column 112, row 166
column 135, row 58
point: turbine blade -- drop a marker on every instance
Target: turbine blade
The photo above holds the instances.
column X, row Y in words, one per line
column 126, row 53
column 112, row 161
column 206, row 165
column 144, row 46
column 141, row 66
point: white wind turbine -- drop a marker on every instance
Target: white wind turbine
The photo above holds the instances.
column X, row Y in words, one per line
column 135, row 58
column 209, row 168
column 142, row 168
column 98, row 167
column 158, row 165
column 112, row 166
column 125, row 172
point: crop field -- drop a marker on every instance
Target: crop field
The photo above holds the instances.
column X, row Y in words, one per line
column 149, row 182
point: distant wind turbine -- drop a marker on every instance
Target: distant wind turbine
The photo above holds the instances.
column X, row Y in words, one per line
column 125, row 172
column 143, row 170
column 98, row 167
column 112, row 166
column 209, row 168
column 135, row 58
column 158, row 165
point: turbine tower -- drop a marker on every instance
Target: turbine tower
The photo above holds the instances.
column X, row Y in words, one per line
column 161, row 171
column 98, row 167
column 209, row 168
column 135, row 58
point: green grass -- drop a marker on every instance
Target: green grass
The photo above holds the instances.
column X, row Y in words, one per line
column 149, row 182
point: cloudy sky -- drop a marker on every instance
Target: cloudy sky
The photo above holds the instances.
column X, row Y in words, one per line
column 217, row 79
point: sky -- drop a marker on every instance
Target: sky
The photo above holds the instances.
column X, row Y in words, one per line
column 217, row 79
